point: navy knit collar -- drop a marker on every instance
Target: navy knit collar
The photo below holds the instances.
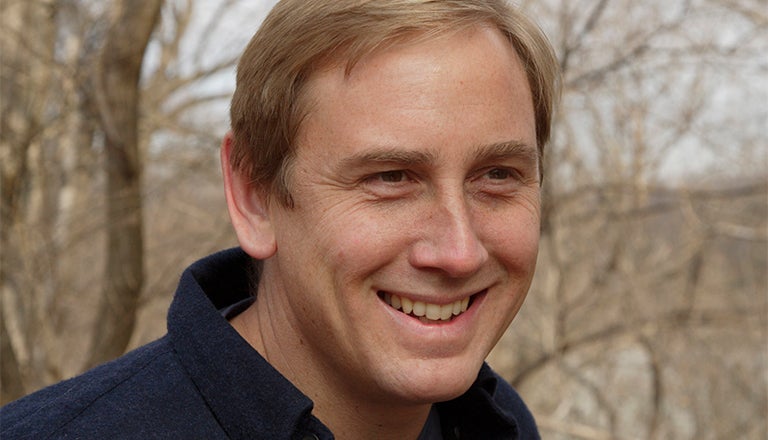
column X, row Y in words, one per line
column 248, row 397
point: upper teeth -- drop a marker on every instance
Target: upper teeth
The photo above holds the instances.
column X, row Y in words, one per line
column 430, row 311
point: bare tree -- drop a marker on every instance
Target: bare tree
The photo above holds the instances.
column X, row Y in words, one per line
column 634, row 315
column 81, row 108
column 648, row 316
column 25, row 68
column 117, row 96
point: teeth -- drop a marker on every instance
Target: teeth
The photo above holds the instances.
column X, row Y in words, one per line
column 433, row 311
column 427, row 312
column 407, row 305
column 419, row 308
column 446, row 312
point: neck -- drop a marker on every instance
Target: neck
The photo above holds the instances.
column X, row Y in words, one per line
column 347, row 413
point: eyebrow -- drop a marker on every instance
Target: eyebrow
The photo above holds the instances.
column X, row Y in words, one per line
column 389, row 156
column 508, row 149
column 483, row 153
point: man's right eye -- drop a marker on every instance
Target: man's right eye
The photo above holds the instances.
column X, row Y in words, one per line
column 392, row 184
column 395, row 176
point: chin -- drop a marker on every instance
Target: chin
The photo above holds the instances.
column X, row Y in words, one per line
column 441, row 392
column 439, row 381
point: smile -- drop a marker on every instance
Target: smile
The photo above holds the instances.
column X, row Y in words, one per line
column 426, row 312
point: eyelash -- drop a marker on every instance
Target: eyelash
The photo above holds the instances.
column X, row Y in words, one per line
column 400, row 175
column 390, row 184
column 508, row 173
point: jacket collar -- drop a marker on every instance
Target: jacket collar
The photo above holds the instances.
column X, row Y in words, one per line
column 248, row 397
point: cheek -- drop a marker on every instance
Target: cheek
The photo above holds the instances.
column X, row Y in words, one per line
column 519, row 251
column 514, row 238
column 364, row 244
column 347, row 242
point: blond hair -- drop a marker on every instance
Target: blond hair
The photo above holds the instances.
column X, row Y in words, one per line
column 299, row 36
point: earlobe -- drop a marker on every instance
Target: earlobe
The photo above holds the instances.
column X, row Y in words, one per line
column 248, row 209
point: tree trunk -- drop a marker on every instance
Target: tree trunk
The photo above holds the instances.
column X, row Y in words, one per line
column 25, row 70
column 118, row 101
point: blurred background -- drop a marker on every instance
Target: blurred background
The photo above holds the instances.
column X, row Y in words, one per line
column 648, row 317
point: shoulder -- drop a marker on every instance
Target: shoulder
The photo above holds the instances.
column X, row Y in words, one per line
column 133, row 395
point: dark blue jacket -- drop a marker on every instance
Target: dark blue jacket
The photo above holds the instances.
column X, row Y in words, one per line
column 203, row 381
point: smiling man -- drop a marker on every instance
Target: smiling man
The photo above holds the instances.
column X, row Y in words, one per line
column 383, row 177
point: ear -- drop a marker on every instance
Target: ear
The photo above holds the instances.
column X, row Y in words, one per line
column 248, row 209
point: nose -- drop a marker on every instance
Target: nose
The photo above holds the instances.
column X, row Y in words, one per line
column 448, row 241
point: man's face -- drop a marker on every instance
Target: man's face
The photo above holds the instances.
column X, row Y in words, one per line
column 416, row 190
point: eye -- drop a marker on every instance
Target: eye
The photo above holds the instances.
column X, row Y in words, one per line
column 499, row 174
column 390, row 184
column 498, row 181
column 395, row 176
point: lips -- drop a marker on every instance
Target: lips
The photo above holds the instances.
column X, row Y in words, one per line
column 426, row 312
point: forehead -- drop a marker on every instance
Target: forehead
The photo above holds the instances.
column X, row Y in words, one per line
column 418, row 92
column 425, row 48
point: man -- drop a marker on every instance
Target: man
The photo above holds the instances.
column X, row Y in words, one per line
column 383, row 178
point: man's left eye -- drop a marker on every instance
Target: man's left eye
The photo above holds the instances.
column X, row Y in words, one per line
column 499, row 174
